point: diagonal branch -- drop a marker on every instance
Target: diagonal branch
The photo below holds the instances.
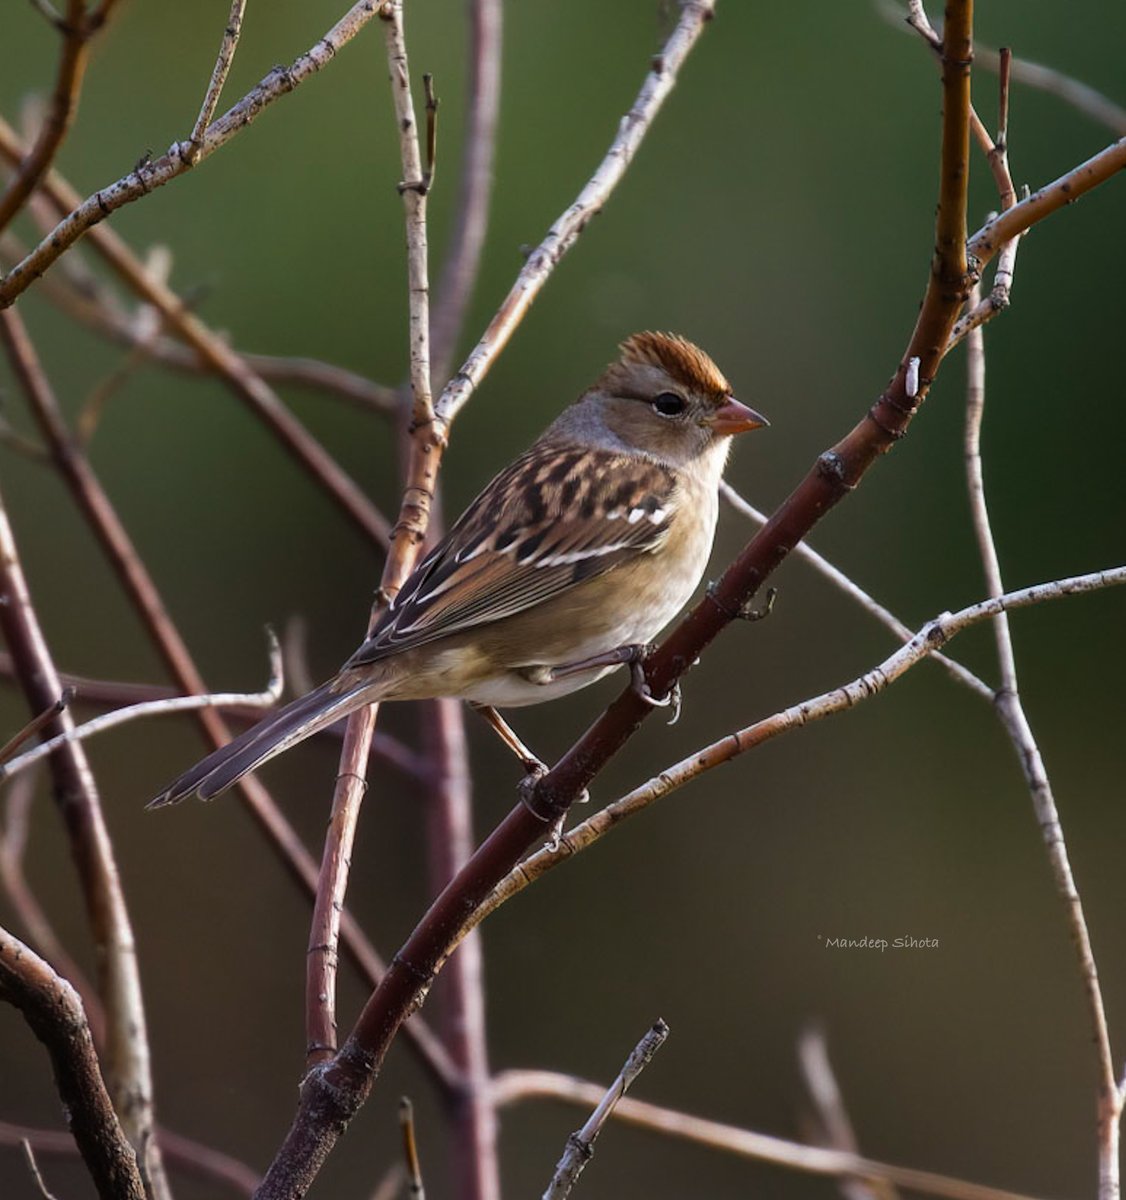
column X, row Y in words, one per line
column 925, row 643
column 835, row 575
column 147, row 600
column 54, row 1012
column 79, row 804
column 580, row 1145
column 233, row 369
column 511, row 1086
column 660, row 81
column 147, row 176
column 153, row 708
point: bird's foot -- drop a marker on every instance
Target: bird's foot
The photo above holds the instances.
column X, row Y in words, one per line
column 643, row 691
column 746, row 611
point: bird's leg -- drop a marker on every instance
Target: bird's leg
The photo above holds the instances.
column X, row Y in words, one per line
column 534, row 769
column 532, row 765
column 632, row 655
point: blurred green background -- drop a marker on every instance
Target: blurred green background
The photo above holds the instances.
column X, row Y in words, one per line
column 780, row 213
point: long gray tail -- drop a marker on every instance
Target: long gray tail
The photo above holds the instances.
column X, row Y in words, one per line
column 289, row 725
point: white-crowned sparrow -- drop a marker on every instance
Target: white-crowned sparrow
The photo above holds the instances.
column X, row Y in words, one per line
column 574, row 556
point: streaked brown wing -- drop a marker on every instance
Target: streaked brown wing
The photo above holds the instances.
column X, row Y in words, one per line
column 554, row 518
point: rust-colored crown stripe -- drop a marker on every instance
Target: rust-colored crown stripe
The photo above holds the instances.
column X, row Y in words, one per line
column 684, row 362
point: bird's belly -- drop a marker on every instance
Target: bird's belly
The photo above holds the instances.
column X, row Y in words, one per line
column 514, row 690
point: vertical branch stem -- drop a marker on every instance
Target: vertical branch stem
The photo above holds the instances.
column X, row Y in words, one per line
column 426, row 445
column 219, row 75
column 413, row 189
column 76, row 794
column 475, row 185
column 474, row 1126
column 1011, row 712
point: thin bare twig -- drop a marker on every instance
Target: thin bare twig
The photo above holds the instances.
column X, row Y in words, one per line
column 227, row 48
column 190, row 1157
column 154, row 708
column 410, row 1150
column 591, row 200
column 1081, row 96
column 413, row 189
column 33, row 1168
column 82, row 297
column 1000, row 295
column 1069, row 187
column 48, row 11
column 432, row 103
column 823, row 566
column 76, row 30
column 931, row 637
column 8, row 750
column 1011, row 712
column 512, row 1086
column 580, row 1145
column 405, row 543
column 221, row 359
column 390, row 1186
column 832, row 1120
column 147, row 176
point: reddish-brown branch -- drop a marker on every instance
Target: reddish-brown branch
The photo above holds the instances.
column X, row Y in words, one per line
column 330, row 1096
column 54, row 1013
column 473, row 1149
column 83, row 215
column 98, row 307
column 425, row 443
column 79, row 806
column 475, row 185
column 220, row 359
column 76, row 29
column 146, row 598
column 34, row 726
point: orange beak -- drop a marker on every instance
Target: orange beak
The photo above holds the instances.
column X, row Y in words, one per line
column 732, row 417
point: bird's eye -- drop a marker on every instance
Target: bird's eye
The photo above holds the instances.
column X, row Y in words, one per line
column 669, row 404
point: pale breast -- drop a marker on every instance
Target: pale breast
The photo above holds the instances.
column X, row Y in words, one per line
column 629, row 605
